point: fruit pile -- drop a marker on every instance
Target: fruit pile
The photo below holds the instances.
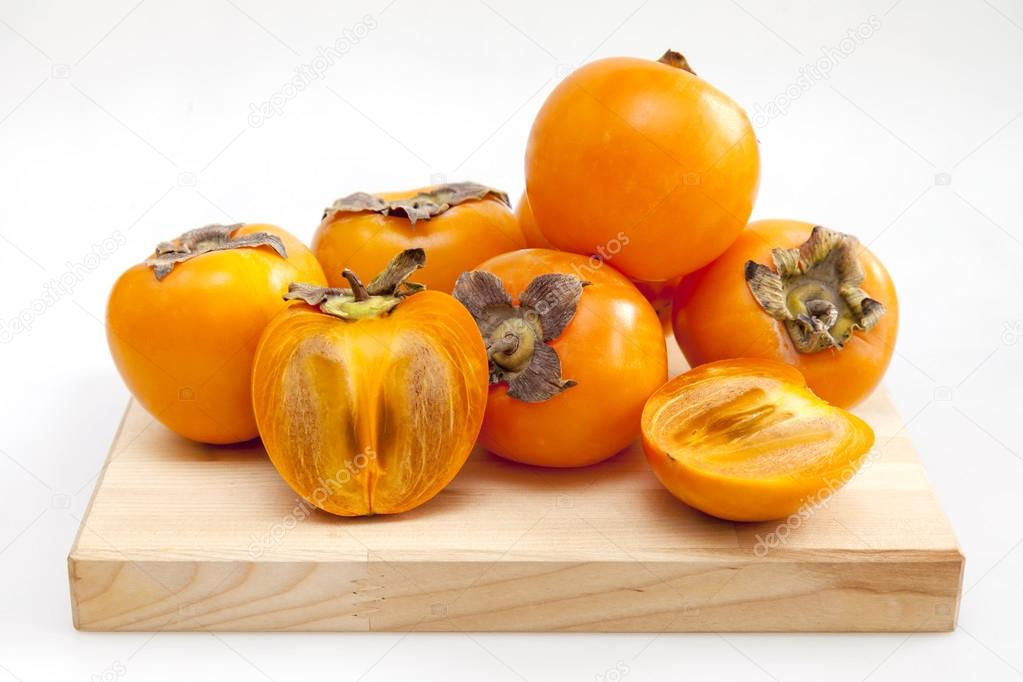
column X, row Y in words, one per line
column 536, row 333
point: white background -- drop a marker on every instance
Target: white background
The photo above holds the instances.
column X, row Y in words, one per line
column 129, row 121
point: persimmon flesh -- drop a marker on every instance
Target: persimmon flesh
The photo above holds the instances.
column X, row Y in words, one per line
column 746, row 440
column 370, row 406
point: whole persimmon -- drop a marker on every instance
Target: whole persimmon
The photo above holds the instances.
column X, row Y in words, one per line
column 459, row 224
column 574, row 349
column 369, row 398
column 643, row 163
column 798, row 293
column 746, row 440
column 183, row 326
column 527, row 221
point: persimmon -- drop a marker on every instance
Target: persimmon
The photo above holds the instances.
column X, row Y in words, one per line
column 369, row 398
column 746, row 440
column 574, row 350
column 643, row 163
column 460, row 225
column 827, row 306
column 183, row 326
column 527, row 222
column 660, row 295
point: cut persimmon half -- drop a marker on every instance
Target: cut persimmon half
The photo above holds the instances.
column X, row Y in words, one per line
column 747, row 440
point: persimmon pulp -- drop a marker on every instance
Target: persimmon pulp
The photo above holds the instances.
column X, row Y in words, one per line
column 746, row 440
column 374, row 413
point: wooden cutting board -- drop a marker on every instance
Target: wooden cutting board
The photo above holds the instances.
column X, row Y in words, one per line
column 184, row 536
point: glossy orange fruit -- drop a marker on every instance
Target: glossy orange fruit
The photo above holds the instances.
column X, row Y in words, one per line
column 746, row 440
column 460, row 225
column 370, row 406
column 527, row 222
column 183, row 327
column 575, row 350
column 644, row 164
column 716, row 314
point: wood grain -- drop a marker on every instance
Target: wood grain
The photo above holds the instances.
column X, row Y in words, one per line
column 184, row 536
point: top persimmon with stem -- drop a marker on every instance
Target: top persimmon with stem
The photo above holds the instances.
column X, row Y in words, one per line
column 645, row 155
column 459, row 224
column 183, row 326
column 574, row 351
column 798, row 293
column 369, row 398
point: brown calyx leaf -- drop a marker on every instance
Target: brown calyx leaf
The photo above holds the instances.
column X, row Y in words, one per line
column 422, row 206
column 204, row 240
column 515, row 336
column 815, row 290
column 382, row 295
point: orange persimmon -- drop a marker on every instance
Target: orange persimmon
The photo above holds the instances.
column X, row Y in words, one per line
column 369, row 399
column 183, row 326
column 660, row 295
column 575, row 350
column 460, row 225
column 642, row 161
column 825, row 305
column 746, row 440
column 527, row 222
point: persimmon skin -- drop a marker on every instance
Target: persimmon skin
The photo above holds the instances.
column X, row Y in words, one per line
column 637, row 148
column 527, row 222
column 184, row 345
column 613, row 348
column 374, row 416
column 715, row 316
column 746, row 440
column 660, row 295
column 457, row 240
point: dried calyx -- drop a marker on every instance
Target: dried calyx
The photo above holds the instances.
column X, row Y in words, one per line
column 422, row 206
column 815, row 290
column 675, row 59
column 515, row 336
column 204, row 240
column 380, row 296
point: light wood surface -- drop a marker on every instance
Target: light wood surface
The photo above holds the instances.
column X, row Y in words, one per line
column 184, row 536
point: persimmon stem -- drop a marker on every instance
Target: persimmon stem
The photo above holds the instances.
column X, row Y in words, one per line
column 516, row 336
column 358, row 288
column 676, row 60
column 379, row 297
column 815, row 291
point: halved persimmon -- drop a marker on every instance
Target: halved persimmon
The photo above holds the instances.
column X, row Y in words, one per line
column 747, row 440
column 369, row 398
